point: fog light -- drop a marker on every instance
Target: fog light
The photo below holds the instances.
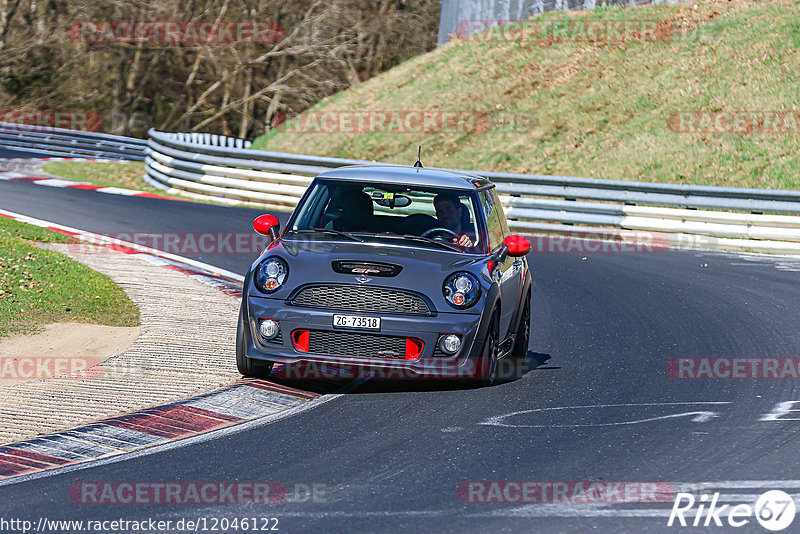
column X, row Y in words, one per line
column 450, row 344
column 268, row 328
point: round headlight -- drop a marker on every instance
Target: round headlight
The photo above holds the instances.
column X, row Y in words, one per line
column 271, row 274
column 273, row 269
column 462, row 284
column 461, row 290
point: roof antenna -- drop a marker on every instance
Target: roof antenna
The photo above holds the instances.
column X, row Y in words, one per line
column 418, row 164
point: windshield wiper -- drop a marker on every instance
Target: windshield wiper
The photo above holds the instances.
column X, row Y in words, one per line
column 410, row 237
column 445, row 244
column 328, row 231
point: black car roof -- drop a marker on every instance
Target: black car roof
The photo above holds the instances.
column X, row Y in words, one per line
column 403, row 174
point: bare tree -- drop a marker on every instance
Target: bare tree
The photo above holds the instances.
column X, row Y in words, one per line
column 323, row 46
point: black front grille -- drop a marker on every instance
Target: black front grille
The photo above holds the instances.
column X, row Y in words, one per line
column 361, row 299
column 355, row 345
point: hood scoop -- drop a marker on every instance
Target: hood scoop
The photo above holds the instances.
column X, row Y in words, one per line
column 371, row 268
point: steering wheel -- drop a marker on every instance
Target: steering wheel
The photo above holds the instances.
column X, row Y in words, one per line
column 446, row 234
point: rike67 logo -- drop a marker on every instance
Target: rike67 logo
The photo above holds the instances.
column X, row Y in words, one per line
column 774, row 510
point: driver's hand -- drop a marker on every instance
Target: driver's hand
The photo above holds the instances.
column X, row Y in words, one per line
column 464, row 241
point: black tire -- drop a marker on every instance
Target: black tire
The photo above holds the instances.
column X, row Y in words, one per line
column 520, row 351
column 248, row 366
column 486, row 370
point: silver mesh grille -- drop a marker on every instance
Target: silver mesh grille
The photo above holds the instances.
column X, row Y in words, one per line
column 355, row 345
column 361, row 299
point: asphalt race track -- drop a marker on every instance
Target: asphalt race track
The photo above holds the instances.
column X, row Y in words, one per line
column 600, row 405
column 135, row 215
column 21, row 153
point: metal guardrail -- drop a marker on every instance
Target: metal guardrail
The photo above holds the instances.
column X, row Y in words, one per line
column 225, row 169
column 59, row 142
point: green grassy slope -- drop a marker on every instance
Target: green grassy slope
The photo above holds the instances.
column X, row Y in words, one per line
column 604, row 109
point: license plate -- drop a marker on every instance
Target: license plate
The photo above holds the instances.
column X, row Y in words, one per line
column 357, row 321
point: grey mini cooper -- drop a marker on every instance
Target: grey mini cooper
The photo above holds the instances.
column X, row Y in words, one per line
column 389, row 268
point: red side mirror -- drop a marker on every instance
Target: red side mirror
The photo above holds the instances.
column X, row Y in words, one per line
column 517, row 245
column 266, row 225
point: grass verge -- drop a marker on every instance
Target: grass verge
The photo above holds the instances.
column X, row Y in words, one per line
column 104, row 173
column 39, row 286
column 114, row 174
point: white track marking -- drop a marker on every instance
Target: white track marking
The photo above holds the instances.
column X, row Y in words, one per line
column 118, row 191
column 736, row 484
column 55, row 182
column 698, row 416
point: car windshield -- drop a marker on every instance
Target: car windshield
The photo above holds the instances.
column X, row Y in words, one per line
column 425, row 216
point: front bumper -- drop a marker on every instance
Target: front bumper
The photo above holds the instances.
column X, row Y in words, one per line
column 472, row 328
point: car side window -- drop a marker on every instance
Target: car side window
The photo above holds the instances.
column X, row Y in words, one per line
column 494, row 223
column 501, row 214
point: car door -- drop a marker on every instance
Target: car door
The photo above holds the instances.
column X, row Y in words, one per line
column 514, row 276
column 504, row 272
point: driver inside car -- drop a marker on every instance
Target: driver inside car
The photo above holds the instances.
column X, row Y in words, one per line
column 453, row 215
